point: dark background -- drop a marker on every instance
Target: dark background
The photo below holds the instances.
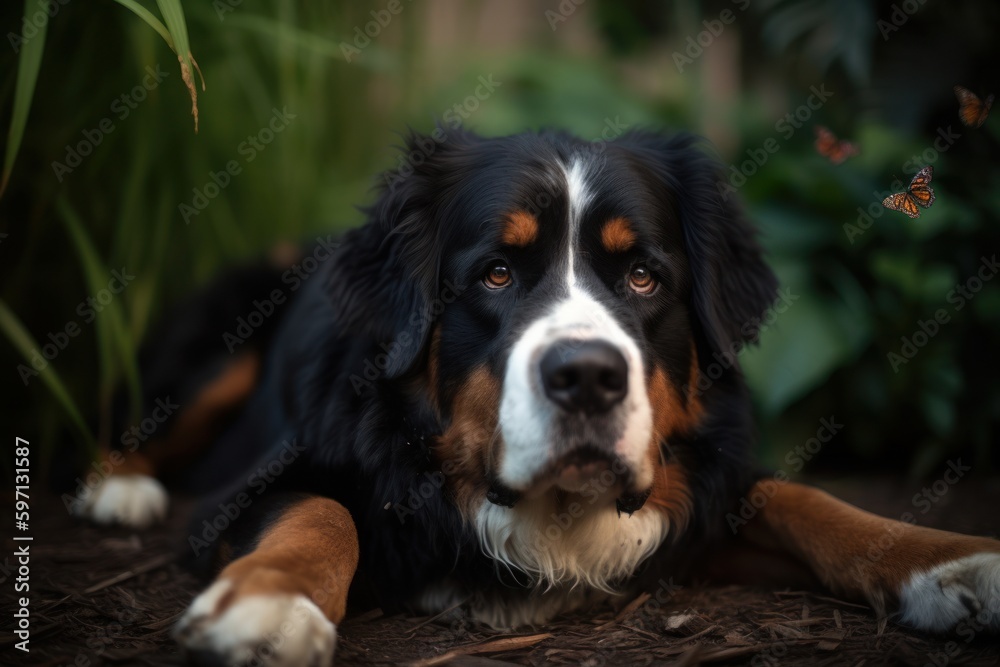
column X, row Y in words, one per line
column 575, row 66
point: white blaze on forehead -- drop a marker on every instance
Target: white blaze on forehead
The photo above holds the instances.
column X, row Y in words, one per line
column 578, row 196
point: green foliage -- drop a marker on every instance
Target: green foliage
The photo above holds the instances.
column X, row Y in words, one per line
column 19, row 337
column 344, row 102
column 862, row 300
column 27, row 76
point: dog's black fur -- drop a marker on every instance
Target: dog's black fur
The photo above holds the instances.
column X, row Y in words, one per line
column 368, row 440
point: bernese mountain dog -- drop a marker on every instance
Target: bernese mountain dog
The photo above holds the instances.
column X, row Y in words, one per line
column 513, row 390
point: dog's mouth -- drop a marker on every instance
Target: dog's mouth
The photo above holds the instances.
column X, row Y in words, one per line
column 577, row 470
column 586, row 471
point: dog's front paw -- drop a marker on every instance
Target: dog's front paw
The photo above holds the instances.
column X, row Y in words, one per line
column 942, row 597
column 228, row 626
column 135, row 501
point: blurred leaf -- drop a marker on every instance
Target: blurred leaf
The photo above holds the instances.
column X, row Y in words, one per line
column 916, row 280
column 987, row 304
column 303, row 40
column 175, row 35
column 787, row 230
column 28, row 63
column 806, row 343
column 113, row 338
column 25, row 344
column 925, row 458
column 942, row 374
column 173, row 16
column 939, row 412
column 829, row 30
column 828, row 353
column 153, row 22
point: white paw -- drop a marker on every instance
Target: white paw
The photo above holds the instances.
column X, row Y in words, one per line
column 266, row 629
column 942, row 597
column 136, row 501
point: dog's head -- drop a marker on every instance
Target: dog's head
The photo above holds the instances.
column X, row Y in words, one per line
column 553, row 299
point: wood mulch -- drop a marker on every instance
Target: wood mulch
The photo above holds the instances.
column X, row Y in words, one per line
column 110, row 596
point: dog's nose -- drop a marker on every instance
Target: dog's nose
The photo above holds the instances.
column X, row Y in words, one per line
column 589, row 376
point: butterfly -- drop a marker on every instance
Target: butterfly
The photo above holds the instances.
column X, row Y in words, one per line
column 918, row 192
column 972, row 110
column 833, row 149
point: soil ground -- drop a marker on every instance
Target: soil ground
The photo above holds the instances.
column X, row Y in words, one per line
column 104, row 596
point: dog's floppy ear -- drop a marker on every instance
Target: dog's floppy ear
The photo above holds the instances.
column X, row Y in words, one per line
column 384, row 280
column 732, row 286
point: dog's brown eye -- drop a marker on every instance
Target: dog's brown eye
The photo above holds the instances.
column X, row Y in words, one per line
column 641, row 280
column 498, row 276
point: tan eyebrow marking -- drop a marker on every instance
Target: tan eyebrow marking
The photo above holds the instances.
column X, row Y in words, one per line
column 521, row 229
column 617, row 235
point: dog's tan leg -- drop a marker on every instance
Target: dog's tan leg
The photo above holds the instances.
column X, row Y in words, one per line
column 934, row 579
column 279, row 604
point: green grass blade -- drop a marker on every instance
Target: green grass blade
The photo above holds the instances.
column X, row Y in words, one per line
column 25, row 344
column 148, row 16
column 173, row 16
column 279, row 32
column 114, row 341
column 175, row 35
column 142, row 301
column 28, row 65
column 127, row 357
column 96, row 278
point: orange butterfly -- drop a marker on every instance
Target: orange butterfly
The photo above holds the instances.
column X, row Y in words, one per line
column 972, row 110
column 918, row 192
column 831, row 148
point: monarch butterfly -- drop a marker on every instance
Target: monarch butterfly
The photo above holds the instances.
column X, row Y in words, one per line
column 918, row 192
column 972, row 110
column 833, row 149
